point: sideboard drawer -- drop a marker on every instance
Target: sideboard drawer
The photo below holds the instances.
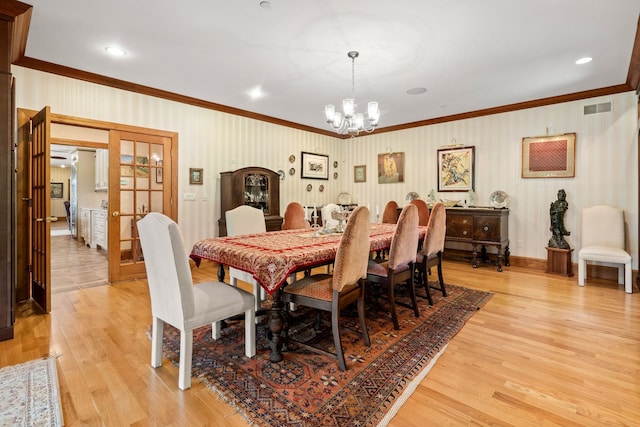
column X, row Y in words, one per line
column 487, row 229
column 460, row 226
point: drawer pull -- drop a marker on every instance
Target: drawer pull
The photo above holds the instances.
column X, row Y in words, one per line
column 485, row 228
column 464, row 233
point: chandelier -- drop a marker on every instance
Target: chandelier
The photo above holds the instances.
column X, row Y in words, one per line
column 350, row 122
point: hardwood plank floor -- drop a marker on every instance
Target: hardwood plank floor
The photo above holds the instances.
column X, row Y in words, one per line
column 543, row 351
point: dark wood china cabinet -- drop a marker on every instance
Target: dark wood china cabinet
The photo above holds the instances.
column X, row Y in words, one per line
column 252, row 186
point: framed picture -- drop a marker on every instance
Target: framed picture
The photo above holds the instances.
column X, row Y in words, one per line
column 159, row 172
column 195, row 176
column 390, row 168
column 549, row 156
column 315, row 166
column 360, row 173
column 57, row 190
column 456, row 168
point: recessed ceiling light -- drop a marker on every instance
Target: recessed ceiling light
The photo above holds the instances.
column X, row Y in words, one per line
column 115, row 51
column 417, row 91
column 584, row 60
column 256, row 93
column 265, row 4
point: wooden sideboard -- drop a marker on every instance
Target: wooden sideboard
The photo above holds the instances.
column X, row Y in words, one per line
column 480, row 227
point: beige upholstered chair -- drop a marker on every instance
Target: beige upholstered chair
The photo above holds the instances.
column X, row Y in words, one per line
column 390, row 213
column 399, row 268
column 245, row 220
column 294, row 217
column 332, row 292
column 432, row 247
column 603, row 240
column 175, row 299
column 423, row 211
column 327, row 220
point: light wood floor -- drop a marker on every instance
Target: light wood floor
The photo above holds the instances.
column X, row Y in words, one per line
column 542, row 352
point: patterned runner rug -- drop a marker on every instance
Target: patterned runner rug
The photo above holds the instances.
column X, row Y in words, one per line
column 308, row 389
column 29, row 394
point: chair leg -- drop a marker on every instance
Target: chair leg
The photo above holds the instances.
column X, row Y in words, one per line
column 362, row 316
column 392, row 304
column 582, row 271
column 216, row 330
column 412, row 294
column 249, row 333
column 335, row 328
column 627, row 278
column 425, row 281
column 186, row 349
column 440, row 278
column 157, row 329
column 621, row 268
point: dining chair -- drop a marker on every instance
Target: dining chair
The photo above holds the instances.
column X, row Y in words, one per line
column 178, row 302
column 399, row 268
column 240, row 221
column 432, row 248
column 390, row 213
column 333, row 292
column 423, row 211
column 295, row 217
column 327, row 220
column 603, row 240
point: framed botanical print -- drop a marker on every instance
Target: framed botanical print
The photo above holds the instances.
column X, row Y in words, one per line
column 195, row 176
column 360, row 173
column 456, row 168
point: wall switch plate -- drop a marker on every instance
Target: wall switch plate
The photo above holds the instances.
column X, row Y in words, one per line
column 190, row 197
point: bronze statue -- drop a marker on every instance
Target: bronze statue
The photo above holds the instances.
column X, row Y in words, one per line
column 556, row 211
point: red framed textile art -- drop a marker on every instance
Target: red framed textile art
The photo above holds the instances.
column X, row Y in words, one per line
column 549, row 156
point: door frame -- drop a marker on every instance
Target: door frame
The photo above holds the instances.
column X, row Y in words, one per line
column 23, row 281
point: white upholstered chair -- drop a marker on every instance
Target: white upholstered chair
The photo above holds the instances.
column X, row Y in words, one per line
column 177, row 301
column 603, row 240
column 326, row 215
column 245, row 220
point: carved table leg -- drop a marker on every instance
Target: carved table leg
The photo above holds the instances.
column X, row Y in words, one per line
column 499, row 258
column 506, row 256
column 275, row 327
column 474, row 261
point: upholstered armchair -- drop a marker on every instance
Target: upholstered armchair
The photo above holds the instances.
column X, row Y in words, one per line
column 399, row 268
column 332, row 292
column 603, row 240
column 177, row 301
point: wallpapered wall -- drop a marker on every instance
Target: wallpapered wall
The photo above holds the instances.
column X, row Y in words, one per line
column 606, row 156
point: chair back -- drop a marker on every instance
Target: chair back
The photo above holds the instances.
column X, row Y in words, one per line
column 390, row 213
column 404, row 244
column 423, row 211
column 436, row 231
column 294, row 217
column 603, row 226
column 326, row 214
column 168, row 270
column 245, row 220
column 352, row 256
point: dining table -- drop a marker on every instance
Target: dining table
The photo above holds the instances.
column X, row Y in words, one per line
column 271, row 257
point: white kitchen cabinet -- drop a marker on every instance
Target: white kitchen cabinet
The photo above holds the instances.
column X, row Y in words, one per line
column 84, row 225
column 99, row 235
column 102, row 169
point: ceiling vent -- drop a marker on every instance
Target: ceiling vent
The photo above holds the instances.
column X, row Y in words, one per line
column 605, row 107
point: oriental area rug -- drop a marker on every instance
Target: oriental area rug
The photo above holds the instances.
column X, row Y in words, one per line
column 29, row 394
column 308, row 389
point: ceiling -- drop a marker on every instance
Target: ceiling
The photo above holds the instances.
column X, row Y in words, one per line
column 470, row 55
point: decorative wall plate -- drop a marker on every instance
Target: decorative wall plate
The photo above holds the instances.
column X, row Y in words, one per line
column 321, row 188
column 335, row 163
column 292, row 158
column 335, row 175
column 309, row 187
column 282, row 174
column 292, row 171
column 499, row 199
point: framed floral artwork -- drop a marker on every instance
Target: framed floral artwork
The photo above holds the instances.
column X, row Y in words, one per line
column 456, row 168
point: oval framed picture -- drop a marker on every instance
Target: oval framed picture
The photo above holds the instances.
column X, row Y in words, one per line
column 292, row 171
column 335, row 175
column 335, row 163
column 292, row 158
column 321, row 188
column 309, row 187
